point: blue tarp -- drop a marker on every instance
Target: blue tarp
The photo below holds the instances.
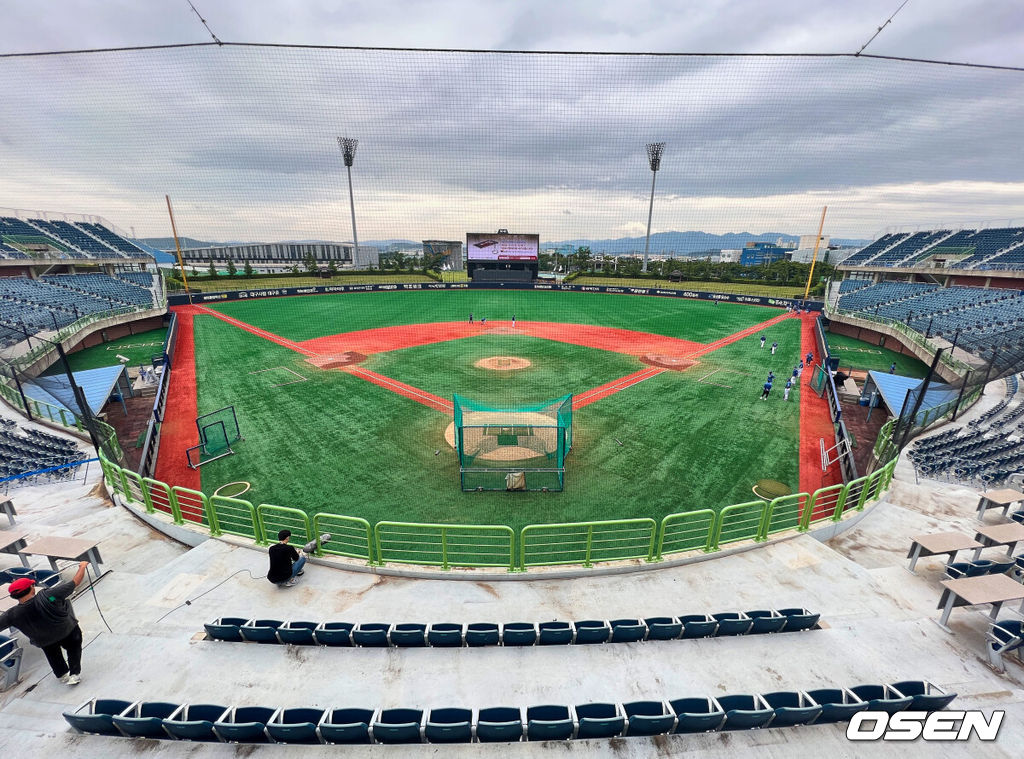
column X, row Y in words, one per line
column 159, row 255
column 894, row 388
column 96, row 384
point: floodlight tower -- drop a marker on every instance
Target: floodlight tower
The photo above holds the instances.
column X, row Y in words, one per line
column 348, row 153
column 654, row 151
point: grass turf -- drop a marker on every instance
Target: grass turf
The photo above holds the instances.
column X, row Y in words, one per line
column 138, row 348
column 863, row 356
column 336, row 443
column 311, row 316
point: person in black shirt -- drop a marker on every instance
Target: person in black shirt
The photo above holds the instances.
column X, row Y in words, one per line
column 49, row 621
column 285, row 562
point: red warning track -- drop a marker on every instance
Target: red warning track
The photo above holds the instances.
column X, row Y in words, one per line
column 815, row 423
column 178, row 431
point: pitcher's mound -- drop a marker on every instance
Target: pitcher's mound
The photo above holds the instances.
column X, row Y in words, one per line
column 337, row 360
column 668, row 361
column 503, row 363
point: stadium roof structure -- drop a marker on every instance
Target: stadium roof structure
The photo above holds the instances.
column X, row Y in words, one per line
column 96, row 384
column 894, row 389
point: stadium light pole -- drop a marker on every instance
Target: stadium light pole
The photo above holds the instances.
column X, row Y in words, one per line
column 654, row 151
column 348, row 153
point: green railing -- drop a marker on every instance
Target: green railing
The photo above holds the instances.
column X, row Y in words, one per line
column 273, row 519
column 688, row 531
column 586, row 542
column 350, row 536
column 445, row 545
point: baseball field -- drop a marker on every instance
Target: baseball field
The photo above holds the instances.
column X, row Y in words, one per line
column 343, row 401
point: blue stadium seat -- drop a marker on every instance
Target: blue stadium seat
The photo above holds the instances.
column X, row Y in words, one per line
column 408, row 635
column 592, row 631
column 260, row 630
column 698, row 625
column 1005, row 637
column 882, row 697
column 792, row 708
column 554, row 634
column 599, row 720
column 518, row 634
column 449, row 725
column 47, row 577
column 799, row 619
column 445, row 635
column 371, row 635
column 837, row 704
column 648, row 718
column 194, row 722
column 732, row 623
column 499, row 724
column 348, row 725
column 697, row 715
column 766, row 621
column 745, row 711
column 145, row 719
column 549, row 723
column 297, row 633
column 295, row 725
column 483, row 634
column 398, row 726
column 333, row 634
column 628, row 630
column 244, row 724
column 927, row 696
column 96, row 716
column 663, row 628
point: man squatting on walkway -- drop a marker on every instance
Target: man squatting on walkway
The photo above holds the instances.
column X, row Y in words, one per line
column 49, row 621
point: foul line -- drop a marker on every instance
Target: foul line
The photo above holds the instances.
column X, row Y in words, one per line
column 610, row 388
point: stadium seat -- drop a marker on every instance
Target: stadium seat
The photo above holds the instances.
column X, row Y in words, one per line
column 295, row 725
column 408, row 635
column 297, row 633
column 592, row 631
column 745, row 712
column 47, row 577
column 799, row 619
column 927, row 697
column 732, row 623
column 663, row 628
column 697, row 715
column 1005, row 637
column 96, row 716
column 628, row 630
column 499, row 724
column 10, row 662
column 244, row 724
column 766, row 621
column 554, row 634
column 549, row 723
column 333, row 634
column 837, row 704
column 698, row 626
column 1018, row 516
column 145, row 719
column 791, row 708
column 260, row 630
column 449, row 725
column 482, row 634
column 398, row 726
column 518, row 634
column 882, row 698
column 599, row 720
column 648, row 718
column 445, row 635
column 371, row 635
column 194, row 722
column 348, row 725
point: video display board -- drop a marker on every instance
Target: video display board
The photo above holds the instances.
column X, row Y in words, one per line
column 501, row 247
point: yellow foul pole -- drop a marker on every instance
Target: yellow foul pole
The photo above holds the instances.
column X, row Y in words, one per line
column 814, row 258
column 177, row 246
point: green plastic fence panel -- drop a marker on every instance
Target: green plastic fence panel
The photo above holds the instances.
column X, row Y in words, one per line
column 194, row 507
column 160, row 498
column 823, row 505
column 586, row 542
column 445, row 545
column 132, row 486
column 272, row 519
column 784, row 513
column 350, row 536
column 235, row 516
column 687, row 531
column 742, row 521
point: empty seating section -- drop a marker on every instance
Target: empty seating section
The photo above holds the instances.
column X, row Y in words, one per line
column 113, row 240
column 137, row 278
column 16, row 232
column 864, row 255
column 1001, row 248
column 73, row 240
column 910, row 248
column 506, row 724
column 451, row 634
column 34, row 450
column 115, row 291
column 72, row 236
column 849, row 285
column 985, row 452
column 869, row 298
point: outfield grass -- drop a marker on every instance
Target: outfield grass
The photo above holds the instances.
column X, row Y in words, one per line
column 738, row 288
column 861, row 355
column 336, row 443
column 139, row 349
column 314, row 316
column 225, row 283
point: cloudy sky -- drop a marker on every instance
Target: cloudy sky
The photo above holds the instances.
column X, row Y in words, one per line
column 243, row 138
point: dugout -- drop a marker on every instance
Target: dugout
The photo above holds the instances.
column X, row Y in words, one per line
column 520, row 448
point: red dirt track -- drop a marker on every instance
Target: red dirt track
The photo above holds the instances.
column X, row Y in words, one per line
column 178, row 431
column 815, row 423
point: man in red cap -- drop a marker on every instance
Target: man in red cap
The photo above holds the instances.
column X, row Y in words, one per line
column 49, row 621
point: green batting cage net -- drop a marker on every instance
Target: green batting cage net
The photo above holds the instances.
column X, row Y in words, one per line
column 521, row 448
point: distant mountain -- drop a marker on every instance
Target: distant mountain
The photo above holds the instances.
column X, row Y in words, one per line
column 167, row 243
column 688, row 243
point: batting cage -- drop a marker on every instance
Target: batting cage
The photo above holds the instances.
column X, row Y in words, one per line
column 217, row 431
column 520, row 448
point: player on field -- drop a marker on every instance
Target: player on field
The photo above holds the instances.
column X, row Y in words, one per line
column 762, row 340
